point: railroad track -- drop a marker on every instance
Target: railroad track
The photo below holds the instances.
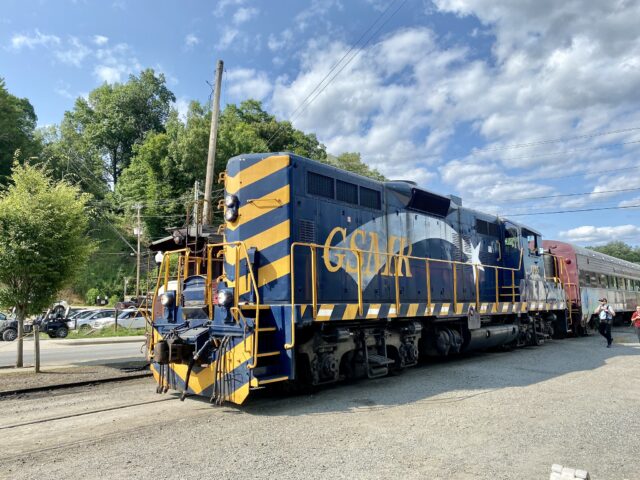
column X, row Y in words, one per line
column 83, row 383
column 81, row 414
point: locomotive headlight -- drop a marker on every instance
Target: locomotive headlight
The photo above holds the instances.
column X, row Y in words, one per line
column 167, row 299
column 230, row 200
column 230, row 214
column 225, row 297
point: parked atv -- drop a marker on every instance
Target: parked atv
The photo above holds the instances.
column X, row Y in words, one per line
column 52, row 323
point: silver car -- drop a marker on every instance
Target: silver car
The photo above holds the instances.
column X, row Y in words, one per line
column 84, row 319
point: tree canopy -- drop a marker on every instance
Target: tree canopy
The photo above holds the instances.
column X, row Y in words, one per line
column 116, row 116
column 126, row 144
column 43, row 227
column 17, row 126
column 619, row 250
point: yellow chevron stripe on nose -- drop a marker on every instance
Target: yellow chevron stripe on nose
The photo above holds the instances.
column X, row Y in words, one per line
column 257, row 207
column 256, row 172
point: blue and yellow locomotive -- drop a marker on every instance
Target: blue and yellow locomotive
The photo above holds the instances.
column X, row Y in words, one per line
column 324, row 275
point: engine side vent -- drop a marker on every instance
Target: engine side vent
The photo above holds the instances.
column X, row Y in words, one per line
column 306, row 231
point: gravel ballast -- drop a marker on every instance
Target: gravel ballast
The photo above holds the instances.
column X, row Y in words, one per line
column 488, row 416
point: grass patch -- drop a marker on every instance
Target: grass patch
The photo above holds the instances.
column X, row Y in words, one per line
column 106, row 332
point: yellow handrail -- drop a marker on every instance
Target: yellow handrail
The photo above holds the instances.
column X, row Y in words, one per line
column 397, row 257
column 241, row 248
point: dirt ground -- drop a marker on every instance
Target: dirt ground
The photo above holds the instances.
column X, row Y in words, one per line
column 12, row 379
column 507, row 415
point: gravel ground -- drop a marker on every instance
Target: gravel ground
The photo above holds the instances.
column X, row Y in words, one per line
column 16, row 379
column 489, row 416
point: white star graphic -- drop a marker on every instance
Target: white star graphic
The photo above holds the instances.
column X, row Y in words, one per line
column 475, row 259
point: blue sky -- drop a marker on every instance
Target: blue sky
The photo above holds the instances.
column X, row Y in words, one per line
column 497, row 101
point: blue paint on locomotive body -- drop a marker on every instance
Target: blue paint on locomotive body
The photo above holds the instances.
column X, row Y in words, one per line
column 384, row 219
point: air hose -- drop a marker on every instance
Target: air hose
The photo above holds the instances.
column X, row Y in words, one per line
column 195, row 358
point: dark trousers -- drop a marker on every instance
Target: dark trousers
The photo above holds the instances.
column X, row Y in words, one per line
column 638, row 333
column 605, row 331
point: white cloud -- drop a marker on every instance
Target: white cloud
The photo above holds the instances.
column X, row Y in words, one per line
column 278, row 42
column 222, row 5
column 19, row 41
column 182, row 106
column 589, row 234
column 115, row 63
column 74, row 53
column 380, row 104
column 227, row 38
column 247, row 83
column 109, row 74
column 191, row 40
column 244, row 14
column 100, row 40
column 632, row 202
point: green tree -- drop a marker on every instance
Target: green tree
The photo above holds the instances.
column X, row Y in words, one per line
column 17, row 126
column 352, row 162
column 619, row 250
column 42, row 225
column 117, row 116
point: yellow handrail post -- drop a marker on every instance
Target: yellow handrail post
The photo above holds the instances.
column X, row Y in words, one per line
column 455, row 285
column 397, row 283
column 186, row 264
column 497, row 289
column 314, row 281
column 209, row 283
column 513, row 286
column 359, row 262
column 289, row 346
column 428, row 272
column 236, row 280
column 166, row 271
column 476, row 271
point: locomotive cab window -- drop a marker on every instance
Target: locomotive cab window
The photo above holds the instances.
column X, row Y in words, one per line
column 533, row 242
column 511, row 238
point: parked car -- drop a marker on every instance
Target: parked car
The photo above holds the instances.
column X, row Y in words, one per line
column 84, row 319
column 51, row 323
column 131, row 318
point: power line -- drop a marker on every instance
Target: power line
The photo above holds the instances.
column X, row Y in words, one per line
column 576, row 194
column 554, row 140
column 573, row 175
column 568, row 152
column 308, row 100
column 570, row 211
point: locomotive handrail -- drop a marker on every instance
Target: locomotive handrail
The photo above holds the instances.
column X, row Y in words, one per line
column 164, row 275
column 240, row 247
column 397, row 257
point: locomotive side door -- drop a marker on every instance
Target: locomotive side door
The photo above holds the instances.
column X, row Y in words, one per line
column 510, row 259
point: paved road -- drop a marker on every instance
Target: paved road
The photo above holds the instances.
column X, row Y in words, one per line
column 63, row 353
column 494, row 416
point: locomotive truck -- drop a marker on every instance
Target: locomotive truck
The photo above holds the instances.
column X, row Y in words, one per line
column 325, row 275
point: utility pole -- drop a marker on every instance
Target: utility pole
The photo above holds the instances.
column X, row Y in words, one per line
column 196, row 194
column 138, row 232
column 213, row 138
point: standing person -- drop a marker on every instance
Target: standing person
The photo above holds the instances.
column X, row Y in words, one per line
column 605, row 314
column 635, row 321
